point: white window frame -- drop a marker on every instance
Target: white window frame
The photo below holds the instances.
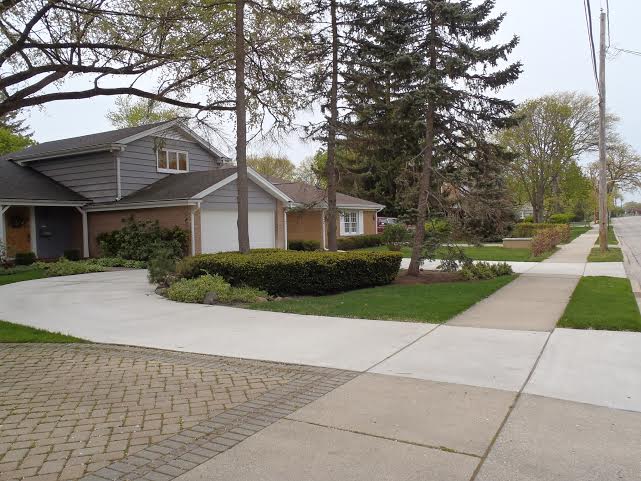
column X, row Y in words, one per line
column 168, row 170
column 359, row 222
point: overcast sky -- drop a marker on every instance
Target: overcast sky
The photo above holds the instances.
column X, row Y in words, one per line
column 553, row 49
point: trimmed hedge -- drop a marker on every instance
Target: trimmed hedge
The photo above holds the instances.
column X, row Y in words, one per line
column 359, row 242
column 297, row 273
column 24, row 258
column 529, row 229
column 303, row 245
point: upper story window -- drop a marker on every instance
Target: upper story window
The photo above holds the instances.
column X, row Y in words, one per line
column 172, row 161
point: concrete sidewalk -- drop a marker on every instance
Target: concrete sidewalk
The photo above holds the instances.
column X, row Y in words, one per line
column 536, row 300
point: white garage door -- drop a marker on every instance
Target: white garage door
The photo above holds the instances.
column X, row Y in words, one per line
column 219, row 231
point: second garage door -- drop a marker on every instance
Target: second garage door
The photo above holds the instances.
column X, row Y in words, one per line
column 219, row 231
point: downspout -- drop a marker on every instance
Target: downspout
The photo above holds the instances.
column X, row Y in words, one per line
column 3, row 231
column 324, row 230
column 118, row 176
column 193, row 229
column 285, row 227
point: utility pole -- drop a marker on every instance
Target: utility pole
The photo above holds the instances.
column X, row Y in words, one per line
column 603, row 193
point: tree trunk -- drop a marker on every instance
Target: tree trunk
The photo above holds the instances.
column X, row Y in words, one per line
column 331, row 137
column 241, row 131
column 426, row 175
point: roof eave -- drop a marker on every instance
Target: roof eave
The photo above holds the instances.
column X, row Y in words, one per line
column 66, row 152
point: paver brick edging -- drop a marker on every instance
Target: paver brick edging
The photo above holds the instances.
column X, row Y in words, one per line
column 184, row 451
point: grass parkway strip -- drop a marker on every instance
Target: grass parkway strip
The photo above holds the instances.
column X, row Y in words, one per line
column 606, row 303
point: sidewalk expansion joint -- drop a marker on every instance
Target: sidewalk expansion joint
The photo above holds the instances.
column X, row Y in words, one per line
column 510, row 410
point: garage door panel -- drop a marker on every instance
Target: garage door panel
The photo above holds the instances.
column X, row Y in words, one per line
column 219, row 230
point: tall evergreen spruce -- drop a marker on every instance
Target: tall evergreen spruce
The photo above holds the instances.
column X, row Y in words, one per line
column 454, row 37
column 385, row 129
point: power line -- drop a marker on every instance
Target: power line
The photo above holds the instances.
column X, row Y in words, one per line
column 588, row 19
column 625, row 50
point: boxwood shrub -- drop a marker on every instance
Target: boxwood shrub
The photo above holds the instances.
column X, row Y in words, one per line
column 296, row 272
column 529, row 229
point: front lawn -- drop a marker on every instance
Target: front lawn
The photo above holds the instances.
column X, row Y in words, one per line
column 418, row 302
column 613, row 254
column 10, row 332
column 22, row 275
column 606, row 303
column 577, row 230
column 482, row 253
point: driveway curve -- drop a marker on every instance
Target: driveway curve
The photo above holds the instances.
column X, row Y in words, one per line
column 120, row 307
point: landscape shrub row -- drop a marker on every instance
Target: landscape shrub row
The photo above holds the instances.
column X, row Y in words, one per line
column 139, row 240
column 65, row 267
column 359, row 242
column 296, row 273
column 561, row 218
column 547, row 239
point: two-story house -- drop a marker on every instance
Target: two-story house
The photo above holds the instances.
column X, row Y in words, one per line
column 60, row 195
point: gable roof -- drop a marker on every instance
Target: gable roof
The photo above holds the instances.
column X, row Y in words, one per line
column 192, row 187
column 110, row 140
column 25, row 184
column 179, row 186
column 310, row 196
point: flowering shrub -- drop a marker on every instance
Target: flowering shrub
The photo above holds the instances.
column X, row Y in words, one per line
column 547, row 239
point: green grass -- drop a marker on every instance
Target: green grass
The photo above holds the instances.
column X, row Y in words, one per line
column 612, row 238
column 577, row 230
column 613, row 254
column 10, row 332
column 420, row 302
column 22, row 276
column 483, row 253
column 602, row 303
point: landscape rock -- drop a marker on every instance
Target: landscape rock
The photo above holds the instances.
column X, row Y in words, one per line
column 210, row 298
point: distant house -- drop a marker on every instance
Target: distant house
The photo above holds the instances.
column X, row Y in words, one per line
column 524, row 211
column 60, row 195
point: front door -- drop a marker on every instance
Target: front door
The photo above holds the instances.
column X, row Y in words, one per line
column 18, row 229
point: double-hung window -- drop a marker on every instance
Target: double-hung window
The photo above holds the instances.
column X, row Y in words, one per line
column 350, row 223
column 173, row 161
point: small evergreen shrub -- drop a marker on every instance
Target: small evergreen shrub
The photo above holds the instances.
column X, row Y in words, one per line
column 72, row 254
column 303, row 245
column 138, row 240
column 395, row 236
column 359, row 242
column 24, row 258
column 161, row 265
column 195, row 290
column 282, row 272
column 484, row 270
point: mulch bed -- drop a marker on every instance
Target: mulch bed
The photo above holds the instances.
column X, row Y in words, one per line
column 427, row 277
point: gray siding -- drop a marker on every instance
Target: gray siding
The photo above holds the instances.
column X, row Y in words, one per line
column 226, row 198
column 138, row 166
column 91, row 175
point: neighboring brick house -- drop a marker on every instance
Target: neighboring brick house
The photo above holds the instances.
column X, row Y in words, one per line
column 60, row 195
column 308, row 220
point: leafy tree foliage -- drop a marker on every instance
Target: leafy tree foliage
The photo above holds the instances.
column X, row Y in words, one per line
column 12, row 142
column 273, row 165
column 131, row 112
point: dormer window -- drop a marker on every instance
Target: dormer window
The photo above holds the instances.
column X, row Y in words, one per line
column 173, row 161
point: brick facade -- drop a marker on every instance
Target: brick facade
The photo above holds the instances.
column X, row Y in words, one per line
column 307, row 224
